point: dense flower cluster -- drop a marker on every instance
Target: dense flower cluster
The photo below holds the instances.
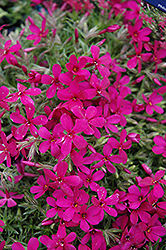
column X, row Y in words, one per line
column 89, row 99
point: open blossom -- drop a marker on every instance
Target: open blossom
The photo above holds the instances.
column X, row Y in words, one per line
column 38, row 33
column 103, row 203
column 27, row 123
column 121, row 145
column 99, row 62
column 42, row 188
column 47, row 79
column 3, row 93
column 62, row 181
column 6, row 149
column 160, row 147
column 71, row 135
column 9, row 198
column 6, row 52
column 137, row 33
column 23, row 93
column 154, row 181
column 33, row 243
column 59, row 241
column 151, row 102
column 153, row 229
column 76, row 68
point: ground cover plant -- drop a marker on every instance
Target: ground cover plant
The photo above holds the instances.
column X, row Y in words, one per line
column 82, row 132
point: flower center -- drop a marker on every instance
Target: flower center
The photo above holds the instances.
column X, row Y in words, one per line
column 88, row 179
column 75, row 69
column 84, row 215
column 45, row 187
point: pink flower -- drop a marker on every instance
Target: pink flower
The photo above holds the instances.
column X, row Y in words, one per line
column 75, row 67
column 46, row 79
column 89, row 178
column 2, row 244
column 51, row 140
column 87, row 215
column 27, row 123
column 138, row 57
column 121, row 145
column 137, row 33
column 72, row 204
column 3, row 93
column 107, row 159
column 151, row 103
column 38, row 34
column 136, row 196
column 98, row 240
column 99, row 62
column 158, row 54
column 7, row 149
column 71, row 135
column 22, row 94
column 59, row 241
column 103, row 202
column 33, row 244
column 6, row 52
column 53, row 203
column 8, row 197
column 62, row 181
column 42, row 188
column 153, row 229
column 161, row 145
column 155, row 181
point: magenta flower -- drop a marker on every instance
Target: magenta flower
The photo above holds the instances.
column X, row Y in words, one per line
column 99, row 86
column 53, row 203
column 59, row 241
column 22, row 94
column 87, row 215
column 72, row 94
column 107, row 159
column 9, row 198
column 7, row 149
column 151, row 103
column 92, row 117
column 98, row 240
column 3, row 93
column 137, row 33
column 99, row 62
column 136, row 196
column 161, row 145
column 103, row 203
column 141, row 212
column 121, row 145
column 6, row 52
column 157, row 206
column 27, row 123
column 33, row 244
column 158, row 54
column 89, row 178
column 113, row 65
column 38, row 34
column 51, row 140
column 71, row 135
column 75, row 67
column 42, row 188
column 153, row 229
column 46, row 79
column 119, row 106
column 138, row 57
column 154, row 181
column 62, row 181
column 72, row 204
column 1, row 225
